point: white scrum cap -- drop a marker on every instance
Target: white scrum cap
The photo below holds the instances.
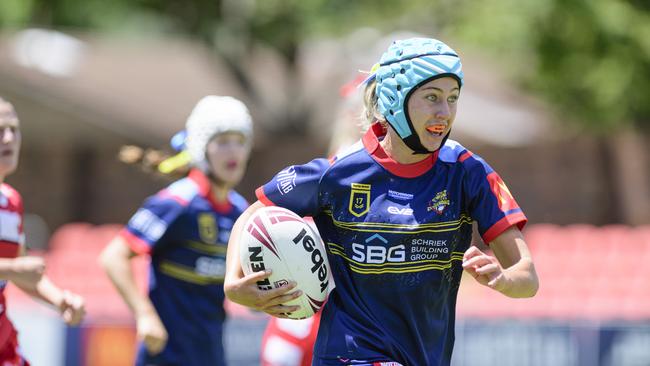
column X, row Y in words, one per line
column 213, row 115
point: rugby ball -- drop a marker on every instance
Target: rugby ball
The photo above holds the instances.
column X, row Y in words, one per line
column 278, row 239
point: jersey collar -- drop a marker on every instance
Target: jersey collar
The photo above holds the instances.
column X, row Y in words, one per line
column 371, row 142
column 205, row 190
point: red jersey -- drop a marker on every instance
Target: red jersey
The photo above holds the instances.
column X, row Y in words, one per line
column 289, row 342
column 12, row 237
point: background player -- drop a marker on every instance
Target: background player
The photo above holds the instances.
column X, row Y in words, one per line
column 395, row 211
column 185, row 228
column 289, row 342
column 26, row 272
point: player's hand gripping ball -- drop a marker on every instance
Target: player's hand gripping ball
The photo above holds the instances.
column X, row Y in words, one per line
column 278, row 239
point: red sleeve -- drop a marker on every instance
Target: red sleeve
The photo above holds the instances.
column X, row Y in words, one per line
column 136, row 244
column 259, row 192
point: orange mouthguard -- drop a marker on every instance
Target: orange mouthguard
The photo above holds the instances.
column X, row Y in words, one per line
column 436, row 128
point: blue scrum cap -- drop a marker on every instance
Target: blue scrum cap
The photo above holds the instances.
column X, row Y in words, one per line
column 406, row 65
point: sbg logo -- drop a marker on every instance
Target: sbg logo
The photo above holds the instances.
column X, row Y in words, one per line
column 213, row 267
column 379, row 253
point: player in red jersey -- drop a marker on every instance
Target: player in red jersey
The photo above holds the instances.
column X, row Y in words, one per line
column 24, row 271
column 289, row 342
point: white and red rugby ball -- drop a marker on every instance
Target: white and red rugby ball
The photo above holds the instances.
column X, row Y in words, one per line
column 278, row 239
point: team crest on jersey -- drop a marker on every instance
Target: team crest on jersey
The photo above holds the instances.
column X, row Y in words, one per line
column 439, row 203
column 207, row 228
column 359, row 199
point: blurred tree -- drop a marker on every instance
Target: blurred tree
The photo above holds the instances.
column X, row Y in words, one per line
column 588, row 58
column 591, row 61
column 232, row 28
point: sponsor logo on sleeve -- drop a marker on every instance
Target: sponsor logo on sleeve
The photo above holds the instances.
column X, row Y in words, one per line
column 286, row 180
column 150, row 225
column 359, row 199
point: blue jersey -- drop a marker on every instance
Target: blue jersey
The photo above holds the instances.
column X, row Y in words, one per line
column 395, row 236
column 186, row 233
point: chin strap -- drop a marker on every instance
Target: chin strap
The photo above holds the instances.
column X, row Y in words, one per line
column 413, row 142
column 444, row 140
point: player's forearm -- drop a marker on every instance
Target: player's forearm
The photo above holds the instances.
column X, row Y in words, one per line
column 43, row 290
column 518, row 269
column 23, row 270
column 116, row 262
column 522, row 279
column 7, row 269
column 233, row 266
